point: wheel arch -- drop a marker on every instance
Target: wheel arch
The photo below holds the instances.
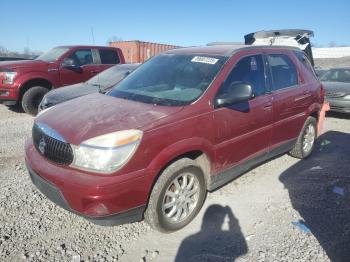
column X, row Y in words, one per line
column 34, row 82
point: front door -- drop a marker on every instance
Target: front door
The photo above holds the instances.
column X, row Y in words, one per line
column 83, row 59
column 244, row 129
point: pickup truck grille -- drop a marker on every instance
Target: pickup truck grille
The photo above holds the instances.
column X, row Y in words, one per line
column 334, row 94
column 53, row 149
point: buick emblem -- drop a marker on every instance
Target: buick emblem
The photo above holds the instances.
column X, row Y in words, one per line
column 42, row 145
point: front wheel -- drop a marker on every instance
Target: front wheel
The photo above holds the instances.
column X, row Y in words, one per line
column 32, row 98
column 306, row 140
column 177, row 196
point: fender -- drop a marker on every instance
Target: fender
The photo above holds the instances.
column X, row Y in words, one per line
column 22, row 79
column 182, row 147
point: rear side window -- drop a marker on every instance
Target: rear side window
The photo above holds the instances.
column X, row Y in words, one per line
column 109, row 56
column 249, row 69
column 283, row 71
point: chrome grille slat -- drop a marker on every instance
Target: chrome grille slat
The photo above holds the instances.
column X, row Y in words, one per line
column 55, row 150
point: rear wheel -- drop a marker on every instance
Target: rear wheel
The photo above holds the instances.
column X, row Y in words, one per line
column 306, row 140
column 32, row 98
column 177, row 196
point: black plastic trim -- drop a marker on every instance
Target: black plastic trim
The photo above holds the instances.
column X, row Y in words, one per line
column 230, row 174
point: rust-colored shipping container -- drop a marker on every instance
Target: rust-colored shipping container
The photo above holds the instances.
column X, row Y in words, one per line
column 139, row 51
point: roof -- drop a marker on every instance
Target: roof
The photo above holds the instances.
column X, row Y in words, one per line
column 84, row 46
column 223, row 50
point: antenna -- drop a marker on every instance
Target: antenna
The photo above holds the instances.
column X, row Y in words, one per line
column 92, row 35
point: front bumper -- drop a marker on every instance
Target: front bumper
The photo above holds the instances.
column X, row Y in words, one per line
column 104, row 200
column 339, row 105
column 8, row 96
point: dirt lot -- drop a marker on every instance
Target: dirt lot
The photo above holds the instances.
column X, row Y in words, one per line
column 249, row 219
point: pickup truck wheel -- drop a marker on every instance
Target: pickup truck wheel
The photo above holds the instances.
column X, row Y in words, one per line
column 32, row 98
column 177, row 196
column 306, row 140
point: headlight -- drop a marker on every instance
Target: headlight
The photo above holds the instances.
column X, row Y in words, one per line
column 8, row 77
column 107, row 153
column 347, row 97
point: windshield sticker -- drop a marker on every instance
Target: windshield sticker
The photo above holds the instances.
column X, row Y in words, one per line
column 205, row 60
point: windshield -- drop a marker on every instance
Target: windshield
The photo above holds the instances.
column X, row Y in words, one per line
column 171, row 80
column 110, row 77
column 53, row 54
column 337, row 75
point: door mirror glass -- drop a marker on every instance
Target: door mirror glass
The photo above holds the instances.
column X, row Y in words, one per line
column 237, row 92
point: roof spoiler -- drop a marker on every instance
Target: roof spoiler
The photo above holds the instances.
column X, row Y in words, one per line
column 289, row 37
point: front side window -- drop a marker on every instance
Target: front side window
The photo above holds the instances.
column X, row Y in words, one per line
column 170, row 79
column 249, row 70
column 109, row 56
column 283, row 71
column 337, row 75
column 82, row 57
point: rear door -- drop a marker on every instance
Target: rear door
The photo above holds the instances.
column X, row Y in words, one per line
column 84, row 59
column 244, row 130
column 290, row 98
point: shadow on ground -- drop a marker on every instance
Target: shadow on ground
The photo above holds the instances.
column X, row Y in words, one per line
column 338, row 115
column 319, row 189
column 220, row 238
column 15, row 108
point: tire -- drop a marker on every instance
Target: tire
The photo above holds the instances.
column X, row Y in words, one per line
column 32, row 98
column 306, row 136
column 157, row 215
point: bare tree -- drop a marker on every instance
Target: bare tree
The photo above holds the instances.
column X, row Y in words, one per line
column 114, row 38
column 332, row 44
column 3, row 51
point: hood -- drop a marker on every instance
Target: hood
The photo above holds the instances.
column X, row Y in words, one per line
column 96, row 114
column 340, row 87
column 20, row 63
column 66, row 93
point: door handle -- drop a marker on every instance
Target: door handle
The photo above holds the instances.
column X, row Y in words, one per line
column 268, row 106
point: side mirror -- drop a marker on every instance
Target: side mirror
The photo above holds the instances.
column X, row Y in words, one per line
column 69, row 63
column 237, row 92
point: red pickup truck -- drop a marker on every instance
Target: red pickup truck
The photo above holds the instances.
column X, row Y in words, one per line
column 26, row 82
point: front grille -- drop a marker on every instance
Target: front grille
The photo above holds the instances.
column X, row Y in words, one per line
column 51, row 148
column 334, row 94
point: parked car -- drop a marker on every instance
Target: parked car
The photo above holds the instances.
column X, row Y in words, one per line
column 185, row 122
column 320, row 72
column 337, row 84
column 102, row 83
column 26, row 82
column 10, row 58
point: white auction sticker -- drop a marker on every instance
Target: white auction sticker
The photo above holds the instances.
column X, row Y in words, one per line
column 203, row 59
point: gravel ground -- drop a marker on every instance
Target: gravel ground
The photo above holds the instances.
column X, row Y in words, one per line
column 249, row 219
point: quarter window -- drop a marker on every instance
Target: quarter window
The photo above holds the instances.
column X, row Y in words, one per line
column 250, row 70
column 283, row 71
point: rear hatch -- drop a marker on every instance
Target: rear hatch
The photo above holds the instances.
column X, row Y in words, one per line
column 287, row 37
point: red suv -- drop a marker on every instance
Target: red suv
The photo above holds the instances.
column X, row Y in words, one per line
column 185, row 122
column 25, row 82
